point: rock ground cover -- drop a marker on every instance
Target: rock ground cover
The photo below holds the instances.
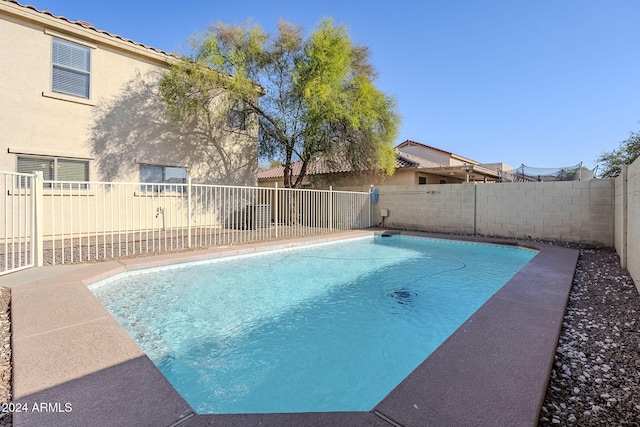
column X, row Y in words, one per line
column 595, row 380
column 5, row 354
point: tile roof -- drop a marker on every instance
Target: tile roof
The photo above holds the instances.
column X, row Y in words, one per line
column 86, row 25
column 318, row 167
column 414, row 161
column 313, row 168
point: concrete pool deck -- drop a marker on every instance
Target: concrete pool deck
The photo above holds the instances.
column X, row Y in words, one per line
column 74, row 365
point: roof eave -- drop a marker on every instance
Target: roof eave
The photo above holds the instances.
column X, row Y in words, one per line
column 82, row 30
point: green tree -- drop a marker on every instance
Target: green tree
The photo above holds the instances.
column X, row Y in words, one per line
column 314, row 98
column 612, row 161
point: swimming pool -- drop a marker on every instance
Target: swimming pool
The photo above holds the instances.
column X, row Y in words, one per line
column 244, row 334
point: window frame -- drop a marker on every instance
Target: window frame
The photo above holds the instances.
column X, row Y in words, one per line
column 88, row 73
column 54, row 161
column 238, row 116
column 168, row 186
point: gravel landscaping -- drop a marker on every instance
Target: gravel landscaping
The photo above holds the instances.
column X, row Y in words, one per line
column 596, row 377
column 5, row 354
column 595, row 380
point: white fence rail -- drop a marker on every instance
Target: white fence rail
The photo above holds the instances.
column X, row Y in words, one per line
column 87, row 221
column 17, row 211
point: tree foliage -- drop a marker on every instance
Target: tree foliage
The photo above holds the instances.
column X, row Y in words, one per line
column 314, row 98
column 612, row 161
column 199, row 107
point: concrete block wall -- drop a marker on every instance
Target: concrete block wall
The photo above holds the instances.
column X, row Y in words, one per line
column 632, row 229
column 576, row 211
column 620, row 216
column 442, row 208
column 604, row 211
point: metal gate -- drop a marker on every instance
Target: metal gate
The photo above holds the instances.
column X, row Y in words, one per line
column 17, row 210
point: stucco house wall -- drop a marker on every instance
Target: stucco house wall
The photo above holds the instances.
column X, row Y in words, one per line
column 436, row 156
column 120, row 126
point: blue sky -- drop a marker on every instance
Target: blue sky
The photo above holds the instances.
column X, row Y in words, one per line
column 546, row 83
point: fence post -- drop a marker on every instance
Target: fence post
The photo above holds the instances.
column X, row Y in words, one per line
column 475, row 209
column 623, row 227
column 189, row 212
column 331, row 208
column 38, row 211
column 277, row 208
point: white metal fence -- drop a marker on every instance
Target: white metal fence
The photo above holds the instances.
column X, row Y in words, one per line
column 17, row 211
column 86, row 221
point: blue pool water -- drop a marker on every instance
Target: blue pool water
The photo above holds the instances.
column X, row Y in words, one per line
column 332, row 327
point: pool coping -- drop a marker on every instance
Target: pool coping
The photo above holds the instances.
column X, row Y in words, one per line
column 73, row 364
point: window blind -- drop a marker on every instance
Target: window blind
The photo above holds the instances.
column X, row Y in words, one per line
column 72, row 170
column 71, row 68
column 34, row 164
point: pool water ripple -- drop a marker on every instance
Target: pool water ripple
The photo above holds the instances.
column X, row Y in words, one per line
column 332, row 327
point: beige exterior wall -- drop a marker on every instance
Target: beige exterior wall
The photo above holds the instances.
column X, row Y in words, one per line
column 573, row 211
column 120, row 126
column 579, row 211
column 628, row 219
column 445, row 208
column 496, row 166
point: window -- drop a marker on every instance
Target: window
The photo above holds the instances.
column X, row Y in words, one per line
column 422, row 180
column 237, row 116
column 56, row 169
column 163, row 174
column 71, row 68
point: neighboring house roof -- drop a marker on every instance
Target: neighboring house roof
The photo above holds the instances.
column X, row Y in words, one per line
column 403, row 161
column 409, row 143
column 414, row 161
column 82, row 24
column 318, row 167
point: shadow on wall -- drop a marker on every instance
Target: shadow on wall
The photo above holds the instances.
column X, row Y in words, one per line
column 132, row 127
